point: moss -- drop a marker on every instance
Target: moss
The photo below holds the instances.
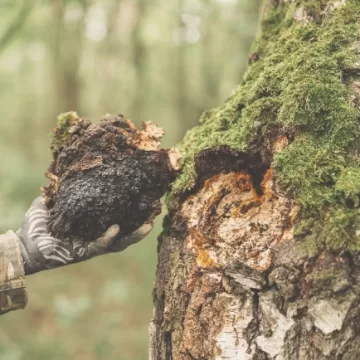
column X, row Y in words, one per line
column 342, row 229
column 274, row 22
column 314, row 8
column 348, row 183
column 61, row 131
column 306, row 234
column 300, row 86
column 309, row 169
column 308, row 248
column 298, row 79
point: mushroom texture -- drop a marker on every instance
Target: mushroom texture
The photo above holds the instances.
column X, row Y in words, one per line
column 104, row 174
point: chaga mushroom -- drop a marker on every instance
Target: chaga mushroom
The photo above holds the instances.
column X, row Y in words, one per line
column 104, row 174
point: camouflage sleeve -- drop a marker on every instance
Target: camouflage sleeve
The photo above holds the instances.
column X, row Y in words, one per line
column 13, row 294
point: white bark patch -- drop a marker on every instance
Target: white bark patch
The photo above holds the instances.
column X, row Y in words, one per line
column 329, row 315
column 245, row 281
column 152, row 343
column 230, row 341
column 279, row 324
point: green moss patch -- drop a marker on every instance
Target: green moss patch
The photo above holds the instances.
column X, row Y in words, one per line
column 61, row 132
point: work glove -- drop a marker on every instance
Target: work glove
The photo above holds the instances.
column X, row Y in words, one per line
column 41, row 251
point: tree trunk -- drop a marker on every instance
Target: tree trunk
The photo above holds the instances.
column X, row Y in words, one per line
column 66, row 53
column 259, row 257
column 140, row 61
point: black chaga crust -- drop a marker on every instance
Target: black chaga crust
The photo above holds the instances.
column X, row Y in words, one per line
column 105, row 174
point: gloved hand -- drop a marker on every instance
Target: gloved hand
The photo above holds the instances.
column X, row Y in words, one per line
column 41, row 251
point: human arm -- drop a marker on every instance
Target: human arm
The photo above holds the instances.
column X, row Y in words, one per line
column 32, row 249
column 13, row 294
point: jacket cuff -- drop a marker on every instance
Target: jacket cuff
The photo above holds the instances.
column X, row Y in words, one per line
column 13, row 294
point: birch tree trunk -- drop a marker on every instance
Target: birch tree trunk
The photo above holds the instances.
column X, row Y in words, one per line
column 259, row 258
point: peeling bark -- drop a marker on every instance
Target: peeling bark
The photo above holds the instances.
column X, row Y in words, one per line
column 242, row 273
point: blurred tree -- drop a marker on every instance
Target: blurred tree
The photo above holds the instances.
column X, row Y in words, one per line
column 181, row 74
column 140, row 61
column 16, row 25
column 211, row 79
column 66, row 51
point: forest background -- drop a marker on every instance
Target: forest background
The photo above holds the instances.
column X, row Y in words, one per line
column 161, row 60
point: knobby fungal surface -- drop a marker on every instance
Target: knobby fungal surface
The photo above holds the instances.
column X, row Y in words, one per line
column 104, row 174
